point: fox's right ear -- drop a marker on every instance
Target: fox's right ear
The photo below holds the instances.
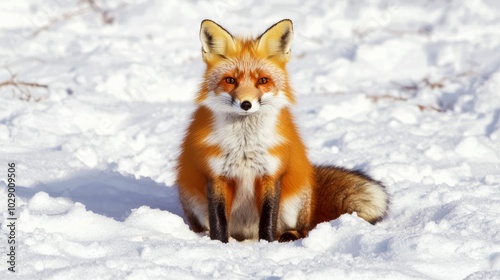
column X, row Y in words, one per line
column 215, row 40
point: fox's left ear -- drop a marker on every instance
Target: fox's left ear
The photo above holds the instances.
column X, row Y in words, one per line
column 276, row 40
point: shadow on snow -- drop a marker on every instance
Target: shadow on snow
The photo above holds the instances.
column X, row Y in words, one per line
column 110, row 193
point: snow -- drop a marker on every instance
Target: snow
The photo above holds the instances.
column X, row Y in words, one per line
column 407, row 91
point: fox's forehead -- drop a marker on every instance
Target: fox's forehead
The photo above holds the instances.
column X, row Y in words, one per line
column 245, row 66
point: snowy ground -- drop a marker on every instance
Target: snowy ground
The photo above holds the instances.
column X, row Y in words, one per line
column 408, row 91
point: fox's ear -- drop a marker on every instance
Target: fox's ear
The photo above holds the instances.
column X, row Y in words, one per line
column 276, row 41
column 215, row 39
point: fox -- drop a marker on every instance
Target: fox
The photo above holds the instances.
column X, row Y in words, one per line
column 242, row 170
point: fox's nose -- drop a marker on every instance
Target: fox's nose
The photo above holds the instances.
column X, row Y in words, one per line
column 246, row 105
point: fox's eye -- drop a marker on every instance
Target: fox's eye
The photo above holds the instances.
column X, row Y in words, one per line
column 230, row 80
column 262, row 81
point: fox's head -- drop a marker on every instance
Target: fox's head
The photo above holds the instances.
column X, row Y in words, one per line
column 245, row 75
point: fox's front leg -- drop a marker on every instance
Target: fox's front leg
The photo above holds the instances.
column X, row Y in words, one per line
column 270, row 206
column 217, row 205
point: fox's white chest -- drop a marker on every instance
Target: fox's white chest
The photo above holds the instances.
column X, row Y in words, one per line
column 245, row 142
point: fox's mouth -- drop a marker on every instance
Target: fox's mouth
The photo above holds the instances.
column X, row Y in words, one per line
column 244, row 113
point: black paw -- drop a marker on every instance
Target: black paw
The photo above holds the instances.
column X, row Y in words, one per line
column 288, row 236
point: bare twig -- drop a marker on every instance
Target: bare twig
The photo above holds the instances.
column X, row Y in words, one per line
column 434, row 85
column 398, row 98
column 429, row 108
column 376, row 98
column 424, row 83
column 411, row 87
column 54, row 21
column 23, row 88
column 106, row 16
column 20, row 83
column 423, row 31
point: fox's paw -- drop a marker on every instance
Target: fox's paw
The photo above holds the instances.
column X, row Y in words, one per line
column 288, row 236
column 292, row 235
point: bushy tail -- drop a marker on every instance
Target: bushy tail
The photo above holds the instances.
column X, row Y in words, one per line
column 339, row 191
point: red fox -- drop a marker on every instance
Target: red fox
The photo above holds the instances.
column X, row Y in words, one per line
column 243, row 170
